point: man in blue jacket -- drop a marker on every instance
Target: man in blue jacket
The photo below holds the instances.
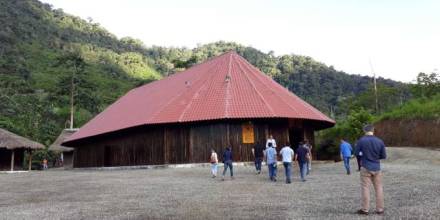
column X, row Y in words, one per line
column 372, row 150
column 346, row 150
column 227, row 161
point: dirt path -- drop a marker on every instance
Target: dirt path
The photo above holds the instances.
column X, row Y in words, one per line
column 411, row 179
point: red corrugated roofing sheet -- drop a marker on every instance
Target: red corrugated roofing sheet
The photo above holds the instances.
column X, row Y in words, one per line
column 224, row 87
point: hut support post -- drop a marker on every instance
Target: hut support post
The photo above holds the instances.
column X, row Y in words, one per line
column 12, row 159
column 30, row 160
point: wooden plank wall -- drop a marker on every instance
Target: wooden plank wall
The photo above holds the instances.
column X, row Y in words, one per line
column 176, row 144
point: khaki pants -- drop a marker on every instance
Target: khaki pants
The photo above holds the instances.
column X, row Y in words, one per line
column 368, row 177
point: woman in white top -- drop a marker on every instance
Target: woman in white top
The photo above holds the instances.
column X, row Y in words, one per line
column 214, row 163
column 271, row 140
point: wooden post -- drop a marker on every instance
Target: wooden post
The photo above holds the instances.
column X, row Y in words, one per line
column 30, row 160
column 12, row 160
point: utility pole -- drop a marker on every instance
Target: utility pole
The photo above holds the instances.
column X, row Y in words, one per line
column 375, row 87
column 72, row 95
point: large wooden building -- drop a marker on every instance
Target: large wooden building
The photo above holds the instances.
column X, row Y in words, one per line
column 222, row 102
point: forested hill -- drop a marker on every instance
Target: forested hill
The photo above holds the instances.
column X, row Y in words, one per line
column 43, row 50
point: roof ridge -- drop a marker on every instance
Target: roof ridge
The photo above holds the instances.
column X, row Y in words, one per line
column 228, row 87
column 198, row 90
column 304, row 103
column 174, row 98
column 270, row 88
column 256, row 90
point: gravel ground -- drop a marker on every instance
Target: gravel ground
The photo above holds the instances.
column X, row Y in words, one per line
column 411, row 185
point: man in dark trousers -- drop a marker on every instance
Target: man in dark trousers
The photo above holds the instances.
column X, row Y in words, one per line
column 302, row 155
column 258, row 152
column 373, row 150
column 227, row 161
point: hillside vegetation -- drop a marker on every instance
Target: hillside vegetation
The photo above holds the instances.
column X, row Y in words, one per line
column 44, row 51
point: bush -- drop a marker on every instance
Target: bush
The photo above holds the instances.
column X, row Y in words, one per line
column 350, row 129
column 422, row 108
column 37, row 159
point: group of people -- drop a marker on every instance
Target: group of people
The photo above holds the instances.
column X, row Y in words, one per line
column 269, row 154
column 369, row 150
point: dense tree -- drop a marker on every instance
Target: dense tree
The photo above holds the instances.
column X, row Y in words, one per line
column 428, row 85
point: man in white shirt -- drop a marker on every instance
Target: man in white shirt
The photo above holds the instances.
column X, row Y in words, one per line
column 271, row 140
column 287, row 155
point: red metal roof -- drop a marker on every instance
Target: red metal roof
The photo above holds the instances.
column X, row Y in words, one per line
column 224, row 87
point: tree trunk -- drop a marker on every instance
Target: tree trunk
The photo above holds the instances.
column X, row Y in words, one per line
column 72, row 87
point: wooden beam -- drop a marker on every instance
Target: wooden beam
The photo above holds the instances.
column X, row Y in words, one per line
column 12, row 160
column 30, row 160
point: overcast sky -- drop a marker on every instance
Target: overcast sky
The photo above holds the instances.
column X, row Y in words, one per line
column 400, row 37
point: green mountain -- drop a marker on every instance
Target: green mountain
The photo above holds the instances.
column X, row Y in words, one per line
column 43, row 51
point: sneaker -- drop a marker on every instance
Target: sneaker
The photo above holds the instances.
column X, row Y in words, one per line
column 379, row 212
column 303, row 180
column 223, row 178
column 362, row 212
column 288, row 182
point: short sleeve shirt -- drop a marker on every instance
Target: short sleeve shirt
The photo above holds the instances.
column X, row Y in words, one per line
column 302, row 154
column 271, row 155
column 287, row 154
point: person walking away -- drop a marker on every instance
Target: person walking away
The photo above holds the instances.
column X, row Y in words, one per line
column 373, row 150
column 309, row 161
column 258, row 152
column 271, row 140
column 287, row 156
column 45, row 164
column 346, row 149
column 271, row 160
column 227, row 161
column 214, row 163
column 302, row 155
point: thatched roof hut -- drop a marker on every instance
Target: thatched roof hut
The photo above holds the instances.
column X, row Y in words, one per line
column 10, row 143
column 57, row 145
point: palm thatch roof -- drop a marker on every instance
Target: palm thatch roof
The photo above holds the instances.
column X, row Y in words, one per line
column 11, row 141
column 56, row 146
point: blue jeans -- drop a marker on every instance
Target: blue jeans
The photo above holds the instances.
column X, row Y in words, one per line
column 309, row 166
column 272, row 170
column 303, row 169
column 347, row 163
column 214, row 169
column 288, row 170
column 258, row 162
column 228, row 164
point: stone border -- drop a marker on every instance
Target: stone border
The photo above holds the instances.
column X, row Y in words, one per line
column 188, row 165
column 12, row 172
